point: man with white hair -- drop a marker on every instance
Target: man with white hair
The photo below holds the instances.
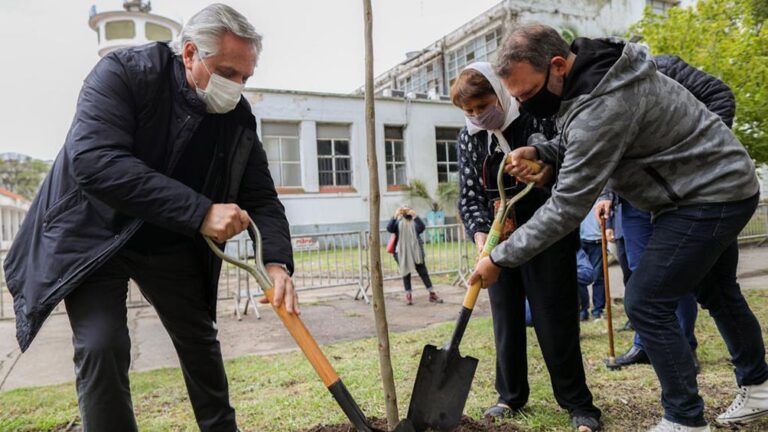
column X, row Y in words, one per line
column 162, row 151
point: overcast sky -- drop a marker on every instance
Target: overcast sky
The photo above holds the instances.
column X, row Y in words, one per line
column 315, row 45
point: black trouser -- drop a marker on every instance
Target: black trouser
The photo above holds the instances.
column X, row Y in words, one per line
column 621, row 255
column 549, row 282
column 421, row 269
column 175, row 285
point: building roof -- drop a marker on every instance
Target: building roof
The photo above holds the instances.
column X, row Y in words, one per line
column 358, row 96
column 12, row 195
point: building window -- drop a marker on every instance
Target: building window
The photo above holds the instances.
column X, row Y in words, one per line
column 481, row 48
column 394, row 149
column 156, row 32
column 447, row 159
column 421, row 80
column 119, row 30
column 334, row 162
column 281, row 143
column 661, row 7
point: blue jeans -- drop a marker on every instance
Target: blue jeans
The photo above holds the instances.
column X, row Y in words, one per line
column 637, row 231
column 594, row 254
column 693, row 250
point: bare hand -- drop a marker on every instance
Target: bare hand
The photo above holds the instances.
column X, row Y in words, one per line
column 480, row 238
column 543, row 178
column 603, row 207
column 224, row 221
column 523, row 171
column 285, row 292
column 609, row 235
column 486, row 272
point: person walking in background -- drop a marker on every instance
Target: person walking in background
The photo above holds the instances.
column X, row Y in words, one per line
column 591, row 245
column 409, row 251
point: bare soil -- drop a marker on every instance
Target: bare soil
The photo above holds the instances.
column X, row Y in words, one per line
column 467, row 425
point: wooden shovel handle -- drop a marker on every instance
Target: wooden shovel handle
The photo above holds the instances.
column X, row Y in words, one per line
column 292, row 322
column 607, row 284
column 470, row 298
column 304, row 339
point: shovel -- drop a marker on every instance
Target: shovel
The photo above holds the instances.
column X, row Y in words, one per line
column 444, row 376
column 303, row 338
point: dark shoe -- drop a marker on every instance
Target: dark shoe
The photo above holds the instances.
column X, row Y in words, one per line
column 408, row 299
column 499, row 411
column 627, row 327
column 585, row 424
column 696, row 363
column 597, row 315
column 433, row 298
column 634, row 356
column 583, row 316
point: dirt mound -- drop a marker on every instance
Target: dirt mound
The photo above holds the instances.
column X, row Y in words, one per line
column 467, row 425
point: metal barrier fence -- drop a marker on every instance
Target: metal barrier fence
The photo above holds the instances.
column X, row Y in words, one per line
column 341, row 259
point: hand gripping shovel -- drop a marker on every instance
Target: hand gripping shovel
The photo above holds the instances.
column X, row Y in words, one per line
column 301, row 335
column 610, row 362
column 444, row 376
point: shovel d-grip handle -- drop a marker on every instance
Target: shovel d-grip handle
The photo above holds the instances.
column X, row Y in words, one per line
column 292, row 322
column 532, row 165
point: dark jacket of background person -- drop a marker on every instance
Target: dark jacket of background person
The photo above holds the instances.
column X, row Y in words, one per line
column 714, row 93
column 135, row 115
column 420, row 227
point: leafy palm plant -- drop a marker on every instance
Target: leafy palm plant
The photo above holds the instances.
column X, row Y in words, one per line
column 446, row 195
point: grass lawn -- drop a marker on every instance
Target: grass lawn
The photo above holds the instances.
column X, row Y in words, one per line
column 281, row 392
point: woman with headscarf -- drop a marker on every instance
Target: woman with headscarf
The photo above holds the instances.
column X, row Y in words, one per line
column 495, row 126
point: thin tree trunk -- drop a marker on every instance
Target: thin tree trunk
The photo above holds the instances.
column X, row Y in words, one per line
column 374, row 242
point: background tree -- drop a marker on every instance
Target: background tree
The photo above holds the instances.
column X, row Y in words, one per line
column 22, row 174
column 728, row 39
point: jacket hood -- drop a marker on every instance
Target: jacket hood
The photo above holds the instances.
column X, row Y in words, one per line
column 634, row 64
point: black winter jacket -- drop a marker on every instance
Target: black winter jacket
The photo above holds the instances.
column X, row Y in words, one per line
column 135, row 115
column 714, row 93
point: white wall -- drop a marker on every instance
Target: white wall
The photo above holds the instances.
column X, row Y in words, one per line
column 12, row 212
column 590, row 18
column 332, row 211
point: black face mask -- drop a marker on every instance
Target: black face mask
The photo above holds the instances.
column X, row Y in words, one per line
column 544, row 103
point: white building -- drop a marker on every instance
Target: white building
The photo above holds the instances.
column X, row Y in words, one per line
column 431, row 70
column 315, row 143
column 13, row 208
column 135, row 25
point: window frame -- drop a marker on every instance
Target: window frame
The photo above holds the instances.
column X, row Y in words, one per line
column 335, row 187
column 389, row 147
column 447, row 144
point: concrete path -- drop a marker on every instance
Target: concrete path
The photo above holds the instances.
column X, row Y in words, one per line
column 331, row 315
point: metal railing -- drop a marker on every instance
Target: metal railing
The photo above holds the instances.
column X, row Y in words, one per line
column 341, row 259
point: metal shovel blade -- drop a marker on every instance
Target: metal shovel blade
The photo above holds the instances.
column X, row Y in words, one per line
column 441, row 389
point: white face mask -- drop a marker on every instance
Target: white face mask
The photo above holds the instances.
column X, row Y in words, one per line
column 221, row 95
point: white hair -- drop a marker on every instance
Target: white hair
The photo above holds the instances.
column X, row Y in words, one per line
column 206, row 27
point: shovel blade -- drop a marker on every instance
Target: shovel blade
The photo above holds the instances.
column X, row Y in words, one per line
column 441, row 389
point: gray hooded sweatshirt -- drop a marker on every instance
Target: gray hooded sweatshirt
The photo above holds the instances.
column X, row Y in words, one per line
column 642, row 135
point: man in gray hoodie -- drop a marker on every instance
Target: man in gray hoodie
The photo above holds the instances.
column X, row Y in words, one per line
column 626, row 127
